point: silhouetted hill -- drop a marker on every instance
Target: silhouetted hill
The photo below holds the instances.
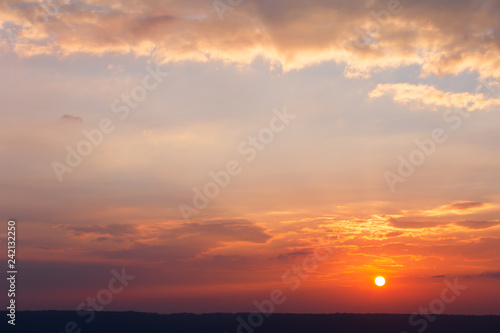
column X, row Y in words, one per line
column 135, row 322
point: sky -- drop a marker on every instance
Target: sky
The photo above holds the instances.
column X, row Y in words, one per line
column 216, row 151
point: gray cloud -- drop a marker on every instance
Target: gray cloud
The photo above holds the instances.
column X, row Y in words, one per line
column 68, row 117
column 493, row 275
column 477, row 224
column 111, row 229
column 161, row 242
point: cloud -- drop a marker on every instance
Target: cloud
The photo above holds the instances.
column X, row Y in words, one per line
column 440, row 37
column 162, row 241
column 402, row 224
column 457, row 208
column 420, row 219
column 89, row 230
column 394, row 234
column 68, row 117
column 463, row 205
column 478, row 224
column 470, row 224
column 294, row 254
column 422, row 94
column 494, row 275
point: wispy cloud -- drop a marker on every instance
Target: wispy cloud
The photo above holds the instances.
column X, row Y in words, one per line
column 478, row 224
column 425, row 95
column 457, row 208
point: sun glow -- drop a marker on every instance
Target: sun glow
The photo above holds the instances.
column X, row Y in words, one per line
column 379, row 281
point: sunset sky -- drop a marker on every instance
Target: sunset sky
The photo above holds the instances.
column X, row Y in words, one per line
column 370, row 128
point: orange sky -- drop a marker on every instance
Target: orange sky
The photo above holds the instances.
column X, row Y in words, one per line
column 209, row 151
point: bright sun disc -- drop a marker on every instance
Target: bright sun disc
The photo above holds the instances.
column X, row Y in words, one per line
column 379, row 281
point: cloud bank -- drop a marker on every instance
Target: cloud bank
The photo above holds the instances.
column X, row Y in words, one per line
column 442, row 38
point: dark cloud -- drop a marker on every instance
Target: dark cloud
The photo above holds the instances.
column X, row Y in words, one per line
column 477, row 224
column 394, row 234
column 162, row 242
column 223, row 230
column 462, row 205
column 112, row 229
column 229, row 258
column 55, row 275
column 493, row 275
column 68, row 117
column 294, row 254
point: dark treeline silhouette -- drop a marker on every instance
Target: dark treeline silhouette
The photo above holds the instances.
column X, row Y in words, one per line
column 136, row 322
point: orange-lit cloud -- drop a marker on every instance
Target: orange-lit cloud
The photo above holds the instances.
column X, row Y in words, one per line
column 321, row 178
column 422, row 94
column 287, row 33
column 457, row 208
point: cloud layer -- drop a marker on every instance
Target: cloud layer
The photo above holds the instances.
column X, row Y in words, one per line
column 445, row 37
column 425, row 95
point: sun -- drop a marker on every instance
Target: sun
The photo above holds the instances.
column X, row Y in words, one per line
column 380, row 281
